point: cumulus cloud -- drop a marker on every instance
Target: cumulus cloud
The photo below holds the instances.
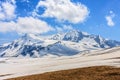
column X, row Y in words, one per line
column 7, row 10
column 64, row 10
column 26, row 25
column 109, row 19
column 32, row 25
column 7, row 26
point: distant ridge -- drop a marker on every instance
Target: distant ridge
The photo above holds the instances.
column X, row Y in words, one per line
column 63, row 44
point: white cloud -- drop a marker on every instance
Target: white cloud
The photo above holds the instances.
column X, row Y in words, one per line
column 13, row 1
column 32, row 25
column 109, row 19
column 26, row 25
column 7, row 10
column 7, row 26
column 64, row 10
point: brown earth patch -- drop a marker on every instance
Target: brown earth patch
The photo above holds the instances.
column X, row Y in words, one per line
column 87, row 73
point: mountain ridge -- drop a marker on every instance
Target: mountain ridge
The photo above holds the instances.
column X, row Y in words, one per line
column 65, row 44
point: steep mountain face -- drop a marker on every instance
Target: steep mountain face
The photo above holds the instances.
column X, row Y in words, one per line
column 64, row 44
column 80, row 37
column 33, row 46
column 74, row 36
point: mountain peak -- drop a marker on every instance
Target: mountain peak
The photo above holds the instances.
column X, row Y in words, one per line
column 30, row 37
column 78, row 31
column 27, row 36
column 73, row 35
column 70, row 43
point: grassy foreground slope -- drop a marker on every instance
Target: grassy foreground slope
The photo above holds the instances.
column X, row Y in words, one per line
column 87, row 73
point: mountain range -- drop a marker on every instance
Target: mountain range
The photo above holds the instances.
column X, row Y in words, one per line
column 61, row 44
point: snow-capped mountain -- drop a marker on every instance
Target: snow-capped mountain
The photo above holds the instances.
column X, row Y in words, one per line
column 88, row 39
column 73, row 36
column 34, row 46
column 64, row 44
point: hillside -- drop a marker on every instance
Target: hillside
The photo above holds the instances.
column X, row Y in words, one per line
column 15, row 67
column 87, row 73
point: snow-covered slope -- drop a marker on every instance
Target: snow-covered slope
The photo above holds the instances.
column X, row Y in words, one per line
column 33, row 46
column 87, row 39
column 30, row 66
column 64, row 44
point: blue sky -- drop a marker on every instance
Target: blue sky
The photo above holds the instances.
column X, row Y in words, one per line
column 100, row 17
